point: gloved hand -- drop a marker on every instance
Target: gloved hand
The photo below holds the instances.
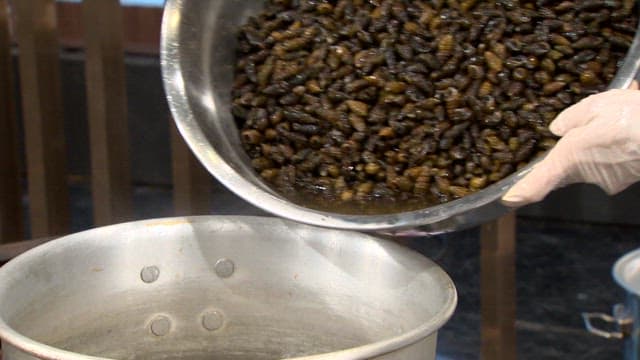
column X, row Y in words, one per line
column 600, row 145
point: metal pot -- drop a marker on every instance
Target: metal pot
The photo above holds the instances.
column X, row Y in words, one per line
column 625, row 317
column 224, row 288
column 197, row 56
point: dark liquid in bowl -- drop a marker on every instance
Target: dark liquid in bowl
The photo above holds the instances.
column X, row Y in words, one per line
column 373, row 205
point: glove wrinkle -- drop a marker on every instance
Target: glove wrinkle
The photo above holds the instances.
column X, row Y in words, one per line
column 600, row 145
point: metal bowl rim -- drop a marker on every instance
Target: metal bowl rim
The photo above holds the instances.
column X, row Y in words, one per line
column 44, row 351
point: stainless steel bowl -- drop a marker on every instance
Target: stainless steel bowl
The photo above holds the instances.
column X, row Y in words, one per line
column 222, row 288
column 197, row 56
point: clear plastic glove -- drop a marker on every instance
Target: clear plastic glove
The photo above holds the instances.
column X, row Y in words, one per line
column 600, row 145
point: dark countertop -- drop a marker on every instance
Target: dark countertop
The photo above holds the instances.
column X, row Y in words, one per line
column 562, row 270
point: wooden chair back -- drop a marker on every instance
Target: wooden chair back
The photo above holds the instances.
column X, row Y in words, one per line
column 31, row 27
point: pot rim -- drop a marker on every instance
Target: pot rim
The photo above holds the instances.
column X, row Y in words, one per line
column 628, row 262
column 471, row 210
column 44, row 351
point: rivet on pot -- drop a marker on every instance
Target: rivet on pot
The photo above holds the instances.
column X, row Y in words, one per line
column 149, row 274
column 224, row 268
column 160, row 325
column 212, row 320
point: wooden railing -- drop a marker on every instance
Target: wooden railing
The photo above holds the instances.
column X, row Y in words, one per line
column 104, row 29
column 31, row 27
column 11, row 228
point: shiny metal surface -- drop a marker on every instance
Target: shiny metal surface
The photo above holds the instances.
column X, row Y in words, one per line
column 296, row 292
column 197, row 56
column 621, row 319
column 625, row 317
column 626, row 272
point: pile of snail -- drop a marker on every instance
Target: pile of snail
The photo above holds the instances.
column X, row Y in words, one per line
column 377, row 106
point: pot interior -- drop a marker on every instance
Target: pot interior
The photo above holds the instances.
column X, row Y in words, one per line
column 221, row 287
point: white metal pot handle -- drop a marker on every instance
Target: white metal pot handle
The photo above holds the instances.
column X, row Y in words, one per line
column 620, row 317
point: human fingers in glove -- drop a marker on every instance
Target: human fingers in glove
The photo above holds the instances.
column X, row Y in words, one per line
column 600, row 145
